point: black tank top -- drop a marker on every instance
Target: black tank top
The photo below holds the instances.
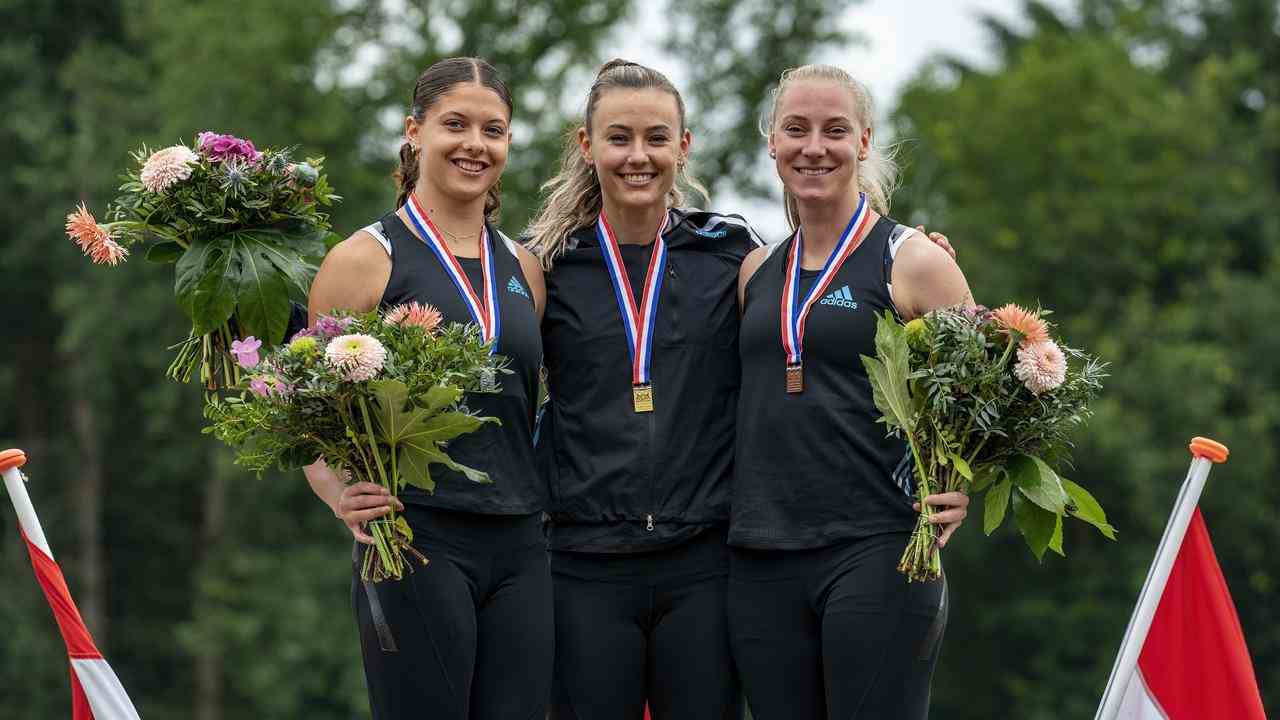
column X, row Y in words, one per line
column 815, row 467
column 506, row 451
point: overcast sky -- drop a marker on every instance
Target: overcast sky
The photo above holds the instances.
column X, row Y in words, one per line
column 898, row 37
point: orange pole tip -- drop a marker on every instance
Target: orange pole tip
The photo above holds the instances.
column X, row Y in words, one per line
column 1211, row 450
column 10, row 459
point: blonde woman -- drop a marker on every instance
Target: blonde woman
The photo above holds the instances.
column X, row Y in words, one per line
column 823, row 624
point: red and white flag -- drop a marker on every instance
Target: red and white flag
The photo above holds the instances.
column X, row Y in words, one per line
column 96, row 692
column 1184, row 656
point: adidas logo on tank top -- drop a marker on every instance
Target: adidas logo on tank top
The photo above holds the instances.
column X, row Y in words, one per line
column 513, row 285
column 840, row 298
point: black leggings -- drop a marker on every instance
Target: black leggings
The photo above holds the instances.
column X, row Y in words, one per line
column 473, row 628
column 639, row 628
column 835, row 632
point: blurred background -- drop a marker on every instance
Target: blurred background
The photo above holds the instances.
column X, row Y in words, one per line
column 1116, row 160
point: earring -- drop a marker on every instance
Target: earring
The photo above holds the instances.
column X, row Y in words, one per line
column 773, row 154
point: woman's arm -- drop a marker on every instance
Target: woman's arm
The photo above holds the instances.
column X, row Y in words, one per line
column 925, row 277
column 352, row 277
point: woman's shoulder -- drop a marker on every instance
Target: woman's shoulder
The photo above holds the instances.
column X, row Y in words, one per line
column 720, row 229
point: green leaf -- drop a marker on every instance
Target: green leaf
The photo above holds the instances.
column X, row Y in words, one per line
column 1085, row 507
column 888, row 374
column 1055, row 542
column 262, row 300
column 1036, row 523
column 1038, row 482
column 962, row 467
column 164, row 252
column 994, row 506
column 419, row 455
column 390, row 414
column 984, row 476
column 448, row 425
column 293, row 266
column 414, row 471
column 440, row 397
column 206, row 283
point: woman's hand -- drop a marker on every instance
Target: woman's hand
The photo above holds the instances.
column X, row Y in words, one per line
column 950, row 509
column 940, row 240
column 362, row 502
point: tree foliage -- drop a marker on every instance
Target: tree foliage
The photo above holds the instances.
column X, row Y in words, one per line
column 1129, row 191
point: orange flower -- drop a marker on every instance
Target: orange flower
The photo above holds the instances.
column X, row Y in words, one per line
column 94, row 239
column 1012, row 318
column 423, row 316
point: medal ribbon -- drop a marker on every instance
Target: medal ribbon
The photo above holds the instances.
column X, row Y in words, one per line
column 638, row 323
column 795, row 310
column 484, row 310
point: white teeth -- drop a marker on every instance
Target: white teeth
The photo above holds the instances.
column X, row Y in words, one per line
column 813, row 171
column 637, row 178
column 470, row 165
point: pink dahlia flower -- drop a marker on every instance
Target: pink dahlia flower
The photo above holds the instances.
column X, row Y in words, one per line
column 414, row 314
column 359, row 357
column 246, row 351
column 167, row 167
column 1041, row 366
column 94, row 239
column 219, row 148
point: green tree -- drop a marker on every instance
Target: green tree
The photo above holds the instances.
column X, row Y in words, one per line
column 1078, row 175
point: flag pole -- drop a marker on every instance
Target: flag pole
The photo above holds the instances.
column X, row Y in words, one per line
column 1205, row 454
column 14, row 483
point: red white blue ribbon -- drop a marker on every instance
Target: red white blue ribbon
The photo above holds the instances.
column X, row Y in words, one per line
column 795, row 309
column 638, row 321
column 484, row 310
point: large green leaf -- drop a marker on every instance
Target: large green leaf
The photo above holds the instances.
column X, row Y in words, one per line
column 206, row 283
column 447, row 426
column 1037, row 524
column 297, row 269
column 440, row 397
column 994, row 506
column 392, row 415
column 262, row 299
column 1085, row 507
column 164, row 252
column 1038, row 482
column 415, row 457
column 888, row 374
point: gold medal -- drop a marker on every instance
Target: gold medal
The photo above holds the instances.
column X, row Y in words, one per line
column 642, row 397
column 795, row 378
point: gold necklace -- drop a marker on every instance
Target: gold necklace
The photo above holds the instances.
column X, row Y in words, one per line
column 459, row 238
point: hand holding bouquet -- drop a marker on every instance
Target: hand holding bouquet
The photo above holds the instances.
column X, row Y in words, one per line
column 243, row 227
column 376, row 396
column 987, row 401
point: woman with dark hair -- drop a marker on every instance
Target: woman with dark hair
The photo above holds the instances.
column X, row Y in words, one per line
column 469, row 636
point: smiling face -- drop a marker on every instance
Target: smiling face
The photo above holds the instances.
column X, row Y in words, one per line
column 636, row 143
column 463, row 140
column 817, row 140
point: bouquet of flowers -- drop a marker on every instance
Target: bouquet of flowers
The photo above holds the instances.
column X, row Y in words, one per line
column 376, row 396
column 987, row 400
column 243, row 227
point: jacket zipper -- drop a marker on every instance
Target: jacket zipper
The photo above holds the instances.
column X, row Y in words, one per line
column 648, row 518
